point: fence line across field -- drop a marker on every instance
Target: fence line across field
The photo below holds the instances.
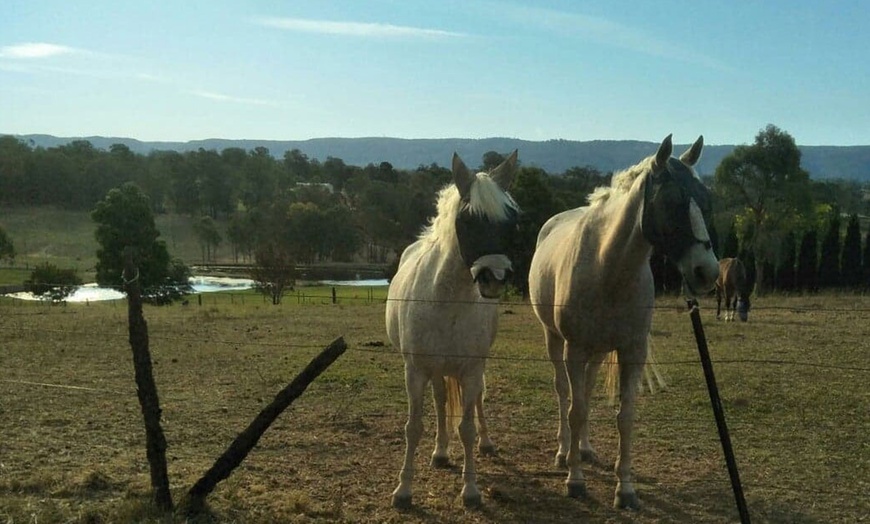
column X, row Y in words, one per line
column 390, row 351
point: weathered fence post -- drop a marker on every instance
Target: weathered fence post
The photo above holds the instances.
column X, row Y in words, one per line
column 155, row 441
column 718, row 411
column 247, row 439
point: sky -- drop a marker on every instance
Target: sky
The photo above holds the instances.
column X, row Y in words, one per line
column 535, row 70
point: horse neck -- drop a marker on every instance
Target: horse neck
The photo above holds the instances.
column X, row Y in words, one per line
column 450, row 276
column 622, row 244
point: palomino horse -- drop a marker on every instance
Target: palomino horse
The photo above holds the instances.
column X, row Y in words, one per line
column 442, row 313
column 592, row 289
column 732, row 283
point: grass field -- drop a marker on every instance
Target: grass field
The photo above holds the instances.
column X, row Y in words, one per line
column 793, row 382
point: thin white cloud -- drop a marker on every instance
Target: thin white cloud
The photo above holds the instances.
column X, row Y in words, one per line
column 35, row 50
column 607, row 32
column 354, row 28
column 220, row 97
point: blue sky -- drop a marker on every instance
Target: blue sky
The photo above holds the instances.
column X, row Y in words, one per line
column 574, row 70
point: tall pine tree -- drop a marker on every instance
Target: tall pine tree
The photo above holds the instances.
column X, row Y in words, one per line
column 850, row 262
column 866, row 264
column 829, row 260
column 785, row 271
column 807, row 264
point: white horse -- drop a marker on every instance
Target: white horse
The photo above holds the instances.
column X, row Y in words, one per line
column 592, row 290
column 442, row 313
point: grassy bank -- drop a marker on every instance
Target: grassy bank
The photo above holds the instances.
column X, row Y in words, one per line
column 73, row 446
column 66, row 238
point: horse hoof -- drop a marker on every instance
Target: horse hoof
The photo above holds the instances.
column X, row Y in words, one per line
column 561, row 461
column 402, row 501
column 440, row 461
column 576, row 490
column 471, row 501
column 488, row 449
column 628, row 501
column 589, row 456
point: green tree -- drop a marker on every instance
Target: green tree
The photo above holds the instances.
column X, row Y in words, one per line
column 850, row 261
column 535, row 199
column 303, row 231
column 765, row 187
column 866, row 261
column 730, row 245
column 14, row 157
column 297, row 166
column 829, row 259
column 342, row 234
column 491, row 160
column 124, row 221
column 216, row 183
column 575, row 185
column 807, row 264
column 785, row 271
column 48, row 281
column 208, row 236
column 274, row 270
column 7, row 248
column 260, row 178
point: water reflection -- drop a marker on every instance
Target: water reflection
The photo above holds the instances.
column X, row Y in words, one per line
column 93, row 293
column 200, row 284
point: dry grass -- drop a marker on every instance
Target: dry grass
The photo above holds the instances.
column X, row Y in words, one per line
column 793, row 382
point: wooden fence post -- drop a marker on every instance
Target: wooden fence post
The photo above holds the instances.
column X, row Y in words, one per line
column 247, row 439
column 155, row 441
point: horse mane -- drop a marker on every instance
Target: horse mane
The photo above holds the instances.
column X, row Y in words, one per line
column 485, row 198
column 621, row 182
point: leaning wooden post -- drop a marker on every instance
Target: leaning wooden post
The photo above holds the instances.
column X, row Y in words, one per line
column 247, row 439
column 718, row 412
column 155, row 441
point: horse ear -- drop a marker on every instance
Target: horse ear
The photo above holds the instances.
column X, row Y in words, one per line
column 504, row 173
column 664, row 152
column 693, row 154
column 462, row 177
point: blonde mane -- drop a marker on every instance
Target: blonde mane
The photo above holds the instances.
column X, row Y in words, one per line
column 621, row 182
column 485, row 198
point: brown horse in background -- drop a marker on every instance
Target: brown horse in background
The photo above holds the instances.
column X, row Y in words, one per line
column 734, row 284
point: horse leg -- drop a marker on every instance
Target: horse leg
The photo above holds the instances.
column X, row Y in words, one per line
column 577, row 419
column 472, row 387
column 719, row 303
column 415, row 384
column 630, row 371
column 587, row 453
column 730, row 304
column 440, row 457
column 484, row 443
column 556, row 348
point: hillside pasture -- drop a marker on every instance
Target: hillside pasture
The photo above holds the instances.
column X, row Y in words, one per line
column 793, row 383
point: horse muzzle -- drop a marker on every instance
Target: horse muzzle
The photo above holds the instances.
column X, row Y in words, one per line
column 490, row 273
column 742, row 309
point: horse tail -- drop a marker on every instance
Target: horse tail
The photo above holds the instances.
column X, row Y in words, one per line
column 650, row 378
column 453, row 410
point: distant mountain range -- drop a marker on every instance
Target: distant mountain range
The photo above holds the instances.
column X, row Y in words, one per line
column 554, row 156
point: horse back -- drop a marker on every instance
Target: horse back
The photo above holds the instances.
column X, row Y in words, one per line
column 732, row 276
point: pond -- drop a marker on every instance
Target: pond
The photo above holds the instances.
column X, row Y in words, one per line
column 200, row 284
